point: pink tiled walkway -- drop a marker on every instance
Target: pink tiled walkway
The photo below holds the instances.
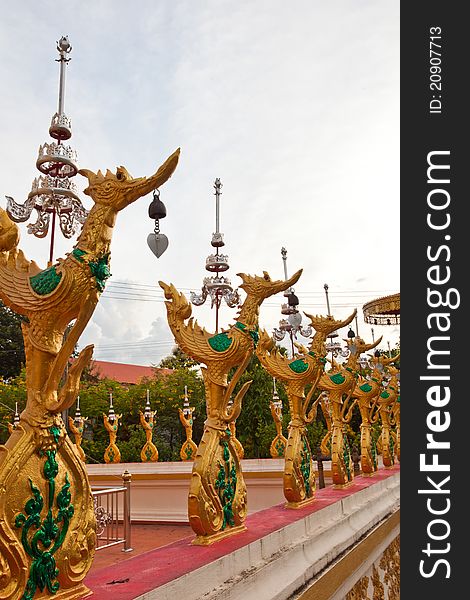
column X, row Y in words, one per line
column 156, row 567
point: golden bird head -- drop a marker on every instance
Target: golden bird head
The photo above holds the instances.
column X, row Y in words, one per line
column 263, row 287
column 357, row 345
column 327, row 325
column 120, row 189
column 379, row 362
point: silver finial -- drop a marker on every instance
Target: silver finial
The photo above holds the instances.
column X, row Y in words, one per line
column 54, row 196
column 218, row 287
column 63, row 45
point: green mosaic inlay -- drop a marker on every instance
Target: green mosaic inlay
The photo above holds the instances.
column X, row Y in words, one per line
column 306, row 466
column 298, row 366
column 384, row 395
column 391, row 447
column 280, row 448
column 50, row 532
column 79, row 254
column 46, row 281
column 374, row 454
column 347, row 456
column 253, row 332
column 226, row 484
column 337, row 379
column 220, row 342
column 99, row 268
column 100, row 271
column 366, row 387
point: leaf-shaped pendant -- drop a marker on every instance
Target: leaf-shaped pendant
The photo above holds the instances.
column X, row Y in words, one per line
column 158, row 243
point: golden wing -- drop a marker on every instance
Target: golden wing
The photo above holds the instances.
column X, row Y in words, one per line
column 15, row 285
column 301, row 368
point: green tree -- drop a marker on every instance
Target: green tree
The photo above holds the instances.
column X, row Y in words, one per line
column 11, row 393
column 255, row 424
column 177, row 360
column 166, row 394
column 12, row 357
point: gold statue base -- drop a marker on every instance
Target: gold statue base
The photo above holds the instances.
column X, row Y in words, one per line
column 343, row 486
column 207, row 540
column 296, row 505
column 79, row 592
column 369, row 474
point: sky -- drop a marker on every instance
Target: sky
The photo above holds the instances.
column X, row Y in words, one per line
column 294, row 106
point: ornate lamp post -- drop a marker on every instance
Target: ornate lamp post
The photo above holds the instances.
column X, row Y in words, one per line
column 149, row 452
column 292, row 325
column 217, row 287
column 334, row 347
column 53, row 193
column 77, row 427
column 189, row 448
column 112, row 453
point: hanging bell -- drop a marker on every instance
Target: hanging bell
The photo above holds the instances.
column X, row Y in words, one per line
column 157, row 210
column 157, row 242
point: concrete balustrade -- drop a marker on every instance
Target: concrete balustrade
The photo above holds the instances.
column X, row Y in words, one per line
column 160, row 490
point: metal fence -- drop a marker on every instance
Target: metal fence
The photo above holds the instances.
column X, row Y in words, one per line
column 113, row 515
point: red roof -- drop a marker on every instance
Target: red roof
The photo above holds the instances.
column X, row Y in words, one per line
column 123, row 373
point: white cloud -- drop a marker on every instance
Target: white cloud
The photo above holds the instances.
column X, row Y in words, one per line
column 297, row 111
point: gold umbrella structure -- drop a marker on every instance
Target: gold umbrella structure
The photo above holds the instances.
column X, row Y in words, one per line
column 383, row 311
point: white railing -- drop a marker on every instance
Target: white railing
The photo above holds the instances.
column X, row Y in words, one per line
column 113, row 514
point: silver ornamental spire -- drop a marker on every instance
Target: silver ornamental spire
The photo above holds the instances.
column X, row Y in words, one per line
column 16, row 418
column 218, row 287
column 111, row 413
column 334, row 347
column 187, row 410
column 291, row 326
column 276, row 400
column 53, row 192
column 78, row 414
column 148, row 409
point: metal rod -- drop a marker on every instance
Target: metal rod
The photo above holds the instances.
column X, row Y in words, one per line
column 217, row 186
column 64, row 47
column 321, row 475
column 51, row 247
column 325, row 287
column 126, row 478
column 284, row 259
column 107, row 525
column 357, row 326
